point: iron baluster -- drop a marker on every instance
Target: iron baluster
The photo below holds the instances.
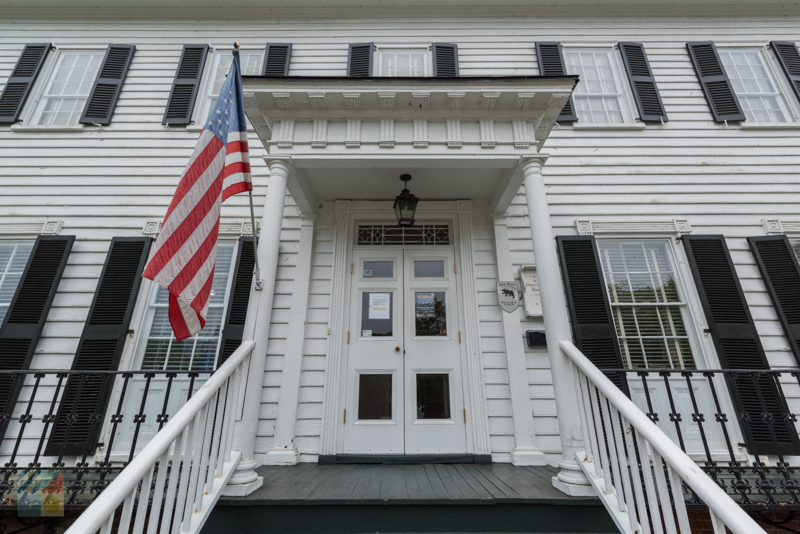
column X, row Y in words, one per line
column 163, row 417
column 650, row 413
column 71, row 419
column 764, row 484
column 674, row 416
column 141, row 416
column 24, row 419
column 699, row 418
column 788, row 484
column 47, row 419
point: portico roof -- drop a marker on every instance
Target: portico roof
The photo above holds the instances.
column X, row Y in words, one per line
column 352, row 137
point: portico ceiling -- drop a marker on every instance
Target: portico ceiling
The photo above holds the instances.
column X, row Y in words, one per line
column 351, row 138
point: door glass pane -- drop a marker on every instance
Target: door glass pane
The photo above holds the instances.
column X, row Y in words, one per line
column 376, row 314
column 430, row 314
column 375, row 396
column 378, row 269
column 433, row 396
column 429, row 269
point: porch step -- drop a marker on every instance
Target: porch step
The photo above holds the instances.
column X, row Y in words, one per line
column 440, row 498
column 405, row 459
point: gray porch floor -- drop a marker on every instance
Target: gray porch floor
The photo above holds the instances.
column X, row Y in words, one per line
column 314, row 484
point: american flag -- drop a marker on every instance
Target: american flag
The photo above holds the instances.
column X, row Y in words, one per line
column 186, row 249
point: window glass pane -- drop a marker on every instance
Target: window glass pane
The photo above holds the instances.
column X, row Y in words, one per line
column 13, row 258
column 65, row 93
column 433, row 396
column 429, row 269
column 599, row 96
column 375, row 396
column 430, row 314
column 378, row 269
column 796, row 247
column 403, row 62
column 377, row 314
column 250, row 61
column 199, row 352
column 756, row 90
column 646, row 304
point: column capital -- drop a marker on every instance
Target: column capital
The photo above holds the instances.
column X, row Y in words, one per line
column 280, row 165
column 530, row 164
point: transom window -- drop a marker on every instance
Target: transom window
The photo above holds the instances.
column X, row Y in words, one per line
column 159, row 350
column 250, row 61
column 403, row 62
column 599, row 97
column 385, row 234
column 13, row 258
column 754, row 85
column 64, row 96
column 647, row 304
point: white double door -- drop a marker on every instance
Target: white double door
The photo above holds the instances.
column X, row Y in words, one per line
column 403, row 386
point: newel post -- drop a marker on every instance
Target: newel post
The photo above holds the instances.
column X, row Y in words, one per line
column 570, row 479
column 245, row 480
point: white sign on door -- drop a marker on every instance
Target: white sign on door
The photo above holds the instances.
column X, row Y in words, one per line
column 379, row 305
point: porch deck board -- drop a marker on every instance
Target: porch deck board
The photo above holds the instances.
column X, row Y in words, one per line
column 359, row 484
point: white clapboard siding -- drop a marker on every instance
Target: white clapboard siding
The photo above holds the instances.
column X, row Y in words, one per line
column 108, row 183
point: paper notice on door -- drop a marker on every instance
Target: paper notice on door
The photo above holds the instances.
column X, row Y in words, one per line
column 379, row 305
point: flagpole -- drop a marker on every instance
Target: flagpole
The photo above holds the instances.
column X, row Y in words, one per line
column 257, row 270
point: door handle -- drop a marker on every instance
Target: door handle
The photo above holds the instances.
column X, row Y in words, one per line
column 397, row 349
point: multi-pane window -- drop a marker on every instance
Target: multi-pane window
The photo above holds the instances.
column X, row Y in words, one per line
column 13, row 258
column 403, row 62
column 754, row 85
column 68, row 87
column 796, row 247
column 159, row 350
column 599, row 97
column 250, row 61
column 647, row 304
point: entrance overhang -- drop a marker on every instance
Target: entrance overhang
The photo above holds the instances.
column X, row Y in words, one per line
column 351, row 138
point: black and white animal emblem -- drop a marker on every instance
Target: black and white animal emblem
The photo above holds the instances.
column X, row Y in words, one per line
column 507, row 293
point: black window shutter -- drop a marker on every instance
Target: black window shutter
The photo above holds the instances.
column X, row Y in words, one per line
column 359, row 59
column 100, row 347
column 589, row 307
column 551, row 63
column 789, row 58
column 185, row 85
column 21, row 80
column 27, row 314
column 715, row 82
column 108, row 85
column 276, row 59
column 643, row 84
column 233, row 329
column 781, row 272
column 737, row 343
column 445, row 60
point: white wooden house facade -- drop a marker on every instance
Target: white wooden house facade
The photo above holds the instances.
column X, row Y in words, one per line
column 338, row 138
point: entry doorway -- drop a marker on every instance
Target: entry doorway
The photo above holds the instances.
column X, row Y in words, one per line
column 404, row 386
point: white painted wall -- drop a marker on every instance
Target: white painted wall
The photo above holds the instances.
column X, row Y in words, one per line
column 108, row 183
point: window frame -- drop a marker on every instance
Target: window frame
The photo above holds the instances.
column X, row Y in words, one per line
column 425, row 48
column 629, row 104
column 778, row 78
column 3, row 271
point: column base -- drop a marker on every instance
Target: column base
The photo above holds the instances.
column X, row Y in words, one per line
column 282, row 457
column 572, row 480
column 244, row 480
column 242, row 490
column 523, row 457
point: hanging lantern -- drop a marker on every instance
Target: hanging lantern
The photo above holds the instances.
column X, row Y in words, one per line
column 405, row 204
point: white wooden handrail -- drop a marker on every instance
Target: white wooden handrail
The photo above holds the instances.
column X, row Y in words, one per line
column 193, row 448
column 611, row 446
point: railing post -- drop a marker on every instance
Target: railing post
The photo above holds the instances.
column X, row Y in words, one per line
column 245, row 480
column 570, row 479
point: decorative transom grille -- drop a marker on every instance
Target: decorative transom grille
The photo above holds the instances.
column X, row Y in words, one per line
column 384, row 234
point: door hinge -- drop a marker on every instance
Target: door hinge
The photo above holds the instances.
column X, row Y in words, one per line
column 455, row 269
column 459, row 336
column 465, row 415
column 345, row 416
column 351, row 267
column 348, row 336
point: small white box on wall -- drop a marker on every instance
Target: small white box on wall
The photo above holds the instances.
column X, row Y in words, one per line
column 530, row 285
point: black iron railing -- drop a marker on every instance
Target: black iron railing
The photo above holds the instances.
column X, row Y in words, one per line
column 49, row 432
column 705, row 411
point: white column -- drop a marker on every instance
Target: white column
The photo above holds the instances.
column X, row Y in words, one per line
column 284, row 451
column 570, row 479
column 245, row 480
column 525, row 451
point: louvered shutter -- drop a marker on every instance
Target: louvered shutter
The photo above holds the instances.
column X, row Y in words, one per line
column 276, row 59
column 27, row 314
column 643, row 84
column 737, row 343
column 185, row 86
column 22, row 77
column 359, row 59
column 108, row 85
column 589, row 307
column 715, row 82
column 445, row 60
column 789, row 58
column 781, row 272
column 236, row 312
column 551, row 63
column 100, row 347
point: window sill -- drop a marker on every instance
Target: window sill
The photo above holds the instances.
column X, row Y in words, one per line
column 782, row 126
column 189, row 128
column 626, row 126
column 37, row 128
